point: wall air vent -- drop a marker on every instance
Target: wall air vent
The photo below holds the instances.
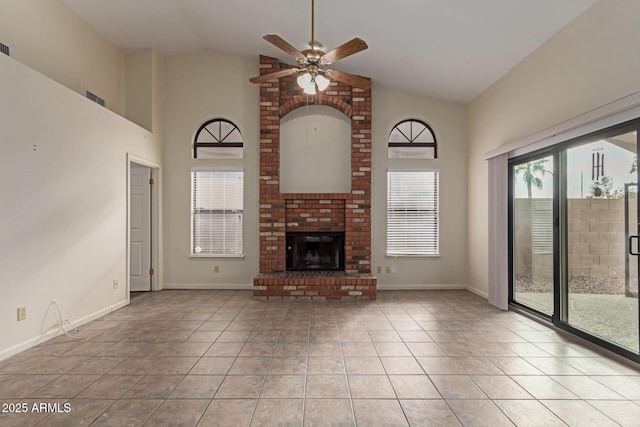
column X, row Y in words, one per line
column 4, row 49
column 95, row 98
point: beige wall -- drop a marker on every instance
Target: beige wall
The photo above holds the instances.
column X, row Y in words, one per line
column 587, row 64
column 200, row 86
column 590, row 62
column 49, row 37
column 449, row 123
column 138, row 87
column 204, row 85
column 143, row 85
column 315, row 151
column 64, row 227
column 63, row 183
column 157, row 101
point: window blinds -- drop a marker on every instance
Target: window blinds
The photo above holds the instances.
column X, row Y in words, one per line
column 542, row 226
column 412, row 213
column 217, row 212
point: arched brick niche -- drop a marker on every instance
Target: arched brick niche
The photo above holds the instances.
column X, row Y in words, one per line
column 280, row 212
column 319, row 99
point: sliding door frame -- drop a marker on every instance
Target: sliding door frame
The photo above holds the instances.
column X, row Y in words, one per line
column 536, row 155
column 558, row 152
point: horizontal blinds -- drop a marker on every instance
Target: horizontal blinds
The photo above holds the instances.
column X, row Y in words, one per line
column 542, row 226
column 217, row 212
column 412, row 213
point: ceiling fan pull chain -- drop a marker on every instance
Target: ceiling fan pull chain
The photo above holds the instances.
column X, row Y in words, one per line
column 308, row 147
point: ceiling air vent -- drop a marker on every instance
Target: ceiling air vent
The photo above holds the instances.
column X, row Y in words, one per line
column 95, row 98
column 4, row 49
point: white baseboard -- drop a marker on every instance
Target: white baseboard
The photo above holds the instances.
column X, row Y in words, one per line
column 419, row 287
column 54, row 332
column 478, row 292
column 214, row 286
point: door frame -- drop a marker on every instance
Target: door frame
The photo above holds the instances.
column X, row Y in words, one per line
column 156, row 223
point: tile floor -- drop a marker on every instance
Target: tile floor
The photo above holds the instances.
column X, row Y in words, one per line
column 221, row 358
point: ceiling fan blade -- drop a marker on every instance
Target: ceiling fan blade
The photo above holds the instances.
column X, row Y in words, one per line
column 355, row 81
column 349, row 48
column 283, row 45
column 275, row 75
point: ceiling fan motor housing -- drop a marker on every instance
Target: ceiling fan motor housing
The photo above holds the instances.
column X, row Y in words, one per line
column 314, row 56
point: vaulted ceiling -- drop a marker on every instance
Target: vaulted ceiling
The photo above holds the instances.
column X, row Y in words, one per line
column 445, row 49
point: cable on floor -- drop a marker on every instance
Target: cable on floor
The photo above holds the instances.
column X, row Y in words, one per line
column 63, row 324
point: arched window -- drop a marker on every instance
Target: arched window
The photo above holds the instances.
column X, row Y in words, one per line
column 218, row 139
column 412, row 139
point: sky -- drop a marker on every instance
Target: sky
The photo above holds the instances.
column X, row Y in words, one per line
column 617, row 163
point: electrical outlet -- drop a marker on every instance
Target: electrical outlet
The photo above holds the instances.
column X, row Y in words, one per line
column 115, row 284
column 388, row 269
column 394, row 269
column 216, row 269
column 22, row 313
column 379, row 269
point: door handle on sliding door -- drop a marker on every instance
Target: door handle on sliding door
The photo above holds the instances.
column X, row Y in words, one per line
column 631, row 238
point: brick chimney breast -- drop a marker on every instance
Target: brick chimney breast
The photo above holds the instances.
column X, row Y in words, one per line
column 341, row 212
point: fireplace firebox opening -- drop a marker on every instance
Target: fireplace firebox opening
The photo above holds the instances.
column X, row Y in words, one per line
column 315, row 251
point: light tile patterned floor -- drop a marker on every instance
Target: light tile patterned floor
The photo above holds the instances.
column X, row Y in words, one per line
column 221, row 358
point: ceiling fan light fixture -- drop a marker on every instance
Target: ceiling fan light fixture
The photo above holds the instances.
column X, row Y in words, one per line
column 322, row 82
column 310, row 89
column 304, row 80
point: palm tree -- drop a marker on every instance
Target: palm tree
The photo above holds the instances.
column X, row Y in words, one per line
column 530, row 172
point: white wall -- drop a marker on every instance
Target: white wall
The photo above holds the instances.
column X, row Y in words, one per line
column 200, row 86
column 590, row 62
column 63, row 217
column 49, row 37
column 449, row 123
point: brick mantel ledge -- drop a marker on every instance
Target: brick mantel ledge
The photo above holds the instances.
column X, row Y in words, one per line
column 316, row 196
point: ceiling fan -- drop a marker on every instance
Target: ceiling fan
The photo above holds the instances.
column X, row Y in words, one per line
column 314, row 61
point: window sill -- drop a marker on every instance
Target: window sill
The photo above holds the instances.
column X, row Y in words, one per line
column 238, row 256
column 411, row 256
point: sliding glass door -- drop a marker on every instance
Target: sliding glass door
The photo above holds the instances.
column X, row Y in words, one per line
column 574, row 242
column 601, row 204
column 532, row 225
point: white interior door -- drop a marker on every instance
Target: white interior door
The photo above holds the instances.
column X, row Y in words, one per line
column 140, row 228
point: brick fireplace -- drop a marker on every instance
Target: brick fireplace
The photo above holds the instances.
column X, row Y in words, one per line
column 348, row 213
